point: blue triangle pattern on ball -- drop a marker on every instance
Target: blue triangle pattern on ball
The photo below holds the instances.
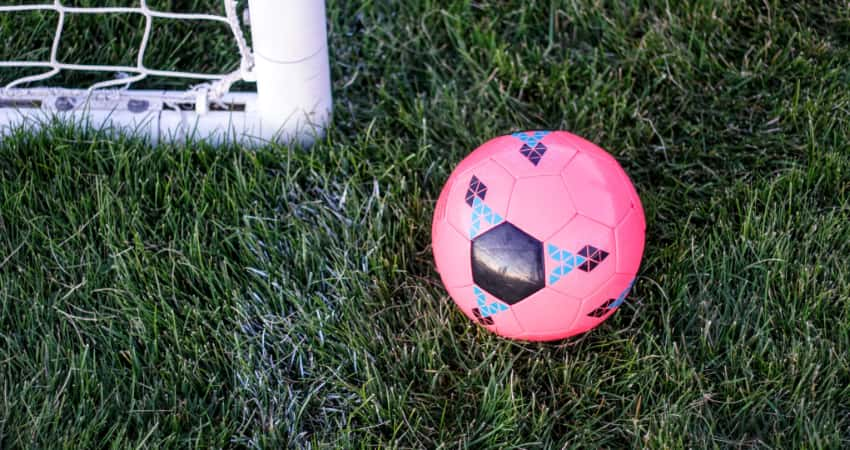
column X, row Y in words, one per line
column 482, row 212
column 487, row 309
column 480, row 298
column 622, row 296
column 566, row 262
column 530, row 137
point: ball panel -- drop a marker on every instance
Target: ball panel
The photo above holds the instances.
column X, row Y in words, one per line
column 597, row 307
column 451, row 254
column 540, row 205
column 630, row 235
column 582, row 145
column 597, row 188
column 507, row 325
column 484, row 152
column 440, row 207
column 528, row 156
column 630, row 187
column 578, row 257
column 479, row 198
column 547, row 314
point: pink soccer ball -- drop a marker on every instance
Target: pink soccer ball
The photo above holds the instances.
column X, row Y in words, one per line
column 538, row 235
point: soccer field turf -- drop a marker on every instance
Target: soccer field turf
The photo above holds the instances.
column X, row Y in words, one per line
column 190, row 296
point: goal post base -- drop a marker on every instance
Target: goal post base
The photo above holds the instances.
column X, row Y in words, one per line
column 289, row 64
column 160, row 116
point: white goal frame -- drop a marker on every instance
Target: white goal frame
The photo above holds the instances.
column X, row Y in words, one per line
column 288, row 63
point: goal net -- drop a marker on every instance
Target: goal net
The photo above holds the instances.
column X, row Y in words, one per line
column 55, row 63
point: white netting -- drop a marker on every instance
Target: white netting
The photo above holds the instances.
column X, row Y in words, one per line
column 213, row 87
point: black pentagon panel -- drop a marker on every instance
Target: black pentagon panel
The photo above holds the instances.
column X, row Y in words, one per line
column 508, row 263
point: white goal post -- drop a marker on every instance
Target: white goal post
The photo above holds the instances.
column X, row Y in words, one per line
column 288, row 61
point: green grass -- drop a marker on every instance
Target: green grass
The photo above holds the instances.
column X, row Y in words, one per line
column 189, row 296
